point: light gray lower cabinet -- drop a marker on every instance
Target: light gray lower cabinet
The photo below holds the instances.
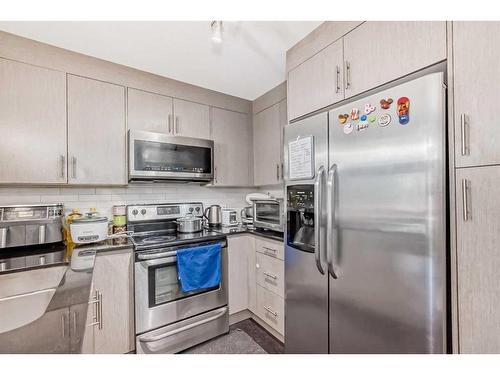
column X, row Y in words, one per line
column 32, row 124
column 238, row 272
column 191, row 119
column 378, row 52
column 149, row 112
column 96, row 132
column 233, row 156
column 267, row 146
column 110, row 318
column 476, row 80
column 478, row 257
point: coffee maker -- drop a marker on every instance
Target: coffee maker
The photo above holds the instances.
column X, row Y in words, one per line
column 300, row 217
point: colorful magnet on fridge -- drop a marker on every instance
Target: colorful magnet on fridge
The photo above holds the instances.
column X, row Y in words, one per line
column 363, row 118
column 348, row 128
column 372, row 118
column 404, row 110
column 343, row 118
column 385, row 104
column 355, row 114
column 369, row 108
column 362, row 126
column 384, row 120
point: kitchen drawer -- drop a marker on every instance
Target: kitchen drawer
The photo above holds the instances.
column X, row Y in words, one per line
column 272, row 248
column 270, row 273
column 271, row 309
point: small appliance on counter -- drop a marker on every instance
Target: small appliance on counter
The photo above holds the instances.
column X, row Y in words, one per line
column 229, row 217
column 25, row 225
column 89, row 228
column 247, row 216
column 213, row 214
column 269, row 214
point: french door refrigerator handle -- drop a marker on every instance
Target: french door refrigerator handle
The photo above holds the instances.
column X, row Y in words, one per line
column 317, row 217
column 331, row 224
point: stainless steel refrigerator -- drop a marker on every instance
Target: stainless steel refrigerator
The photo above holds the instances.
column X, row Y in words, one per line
column 366, row 235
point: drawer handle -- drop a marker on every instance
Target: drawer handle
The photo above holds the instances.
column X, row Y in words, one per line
column 268, row 309
column 185, row 328
column 270, row 275
column 269, row 249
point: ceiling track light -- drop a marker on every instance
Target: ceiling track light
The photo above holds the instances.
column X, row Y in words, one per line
column 216, row 27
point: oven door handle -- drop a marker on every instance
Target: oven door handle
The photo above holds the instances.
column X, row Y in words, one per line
column 181, row 329
column 157, row 255
column 158, row 262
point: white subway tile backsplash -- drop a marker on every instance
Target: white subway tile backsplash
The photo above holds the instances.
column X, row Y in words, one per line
column 77, row 190
column 94, row 198
column 58, row 198
column 19, row 199
column 103, row 198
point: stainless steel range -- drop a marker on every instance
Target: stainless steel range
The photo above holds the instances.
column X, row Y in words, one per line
column 167, row 319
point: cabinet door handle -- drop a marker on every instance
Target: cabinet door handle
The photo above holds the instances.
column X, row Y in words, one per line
column 215, row 174
column 278, row 171
column 348, row 75
column 176, row 129
column 73, row 163
column 169, row 123
column 63, row 325
column 268, row 309
column 337, row 79
column 282, row 173
column 62, row 160
column 465, row 200
column 100, row 311
column 74, row 322
column 464, row 125
column 270, row 275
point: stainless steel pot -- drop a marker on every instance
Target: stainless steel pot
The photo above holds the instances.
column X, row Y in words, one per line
column 189, row 224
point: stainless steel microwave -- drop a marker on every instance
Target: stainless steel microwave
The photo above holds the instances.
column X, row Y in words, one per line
column 269, row 214
column 157, row 156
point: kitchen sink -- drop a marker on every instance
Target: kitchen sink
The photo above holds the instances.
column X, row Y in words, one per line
column 24, row 296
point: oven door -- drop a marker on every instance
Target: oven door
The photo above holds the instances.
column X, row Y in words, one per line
column 268, row 214
column 157, row 156
column 159, row 299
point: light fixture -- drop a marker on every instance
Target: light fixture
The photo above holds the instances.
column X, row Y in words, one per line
column 216, row 27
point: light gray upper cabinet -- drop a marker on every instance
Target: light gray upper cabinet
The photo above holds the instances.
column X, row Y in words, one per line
column 379, row 52
column 478, row 257
column 476, row 81
column 317, row 82
column 149, row 112
column 32, row 124
column 96, row 132
column 191, row 119
column 233, row 156
column 267, row 148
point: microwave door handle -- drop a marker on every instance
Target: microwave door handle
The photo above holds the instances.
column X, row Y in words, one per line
column 318, row 217
column 331, row 221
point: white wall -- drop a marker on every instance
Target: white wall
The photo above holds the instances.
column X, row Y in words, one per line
column 104, row 198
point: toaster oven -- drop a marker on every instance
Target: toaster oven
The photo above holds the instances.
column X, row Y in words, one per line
column 269, row 214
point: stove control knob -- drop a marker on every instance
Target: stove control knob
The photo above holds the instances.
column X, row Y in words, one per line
column 134, row 212
column 197, row 209
column 190, row 209
column 143, row 211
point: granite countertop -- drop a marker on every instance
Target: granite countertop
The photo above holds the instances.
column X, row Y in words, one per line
column 43, row 335
column 242, row 229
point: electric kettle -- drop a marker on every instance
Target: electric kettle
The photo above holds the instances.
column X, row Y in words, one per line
column 214, row 215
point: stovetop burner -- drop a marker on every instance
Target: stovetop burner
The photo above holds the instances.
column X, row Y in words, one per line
column 157, row 239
